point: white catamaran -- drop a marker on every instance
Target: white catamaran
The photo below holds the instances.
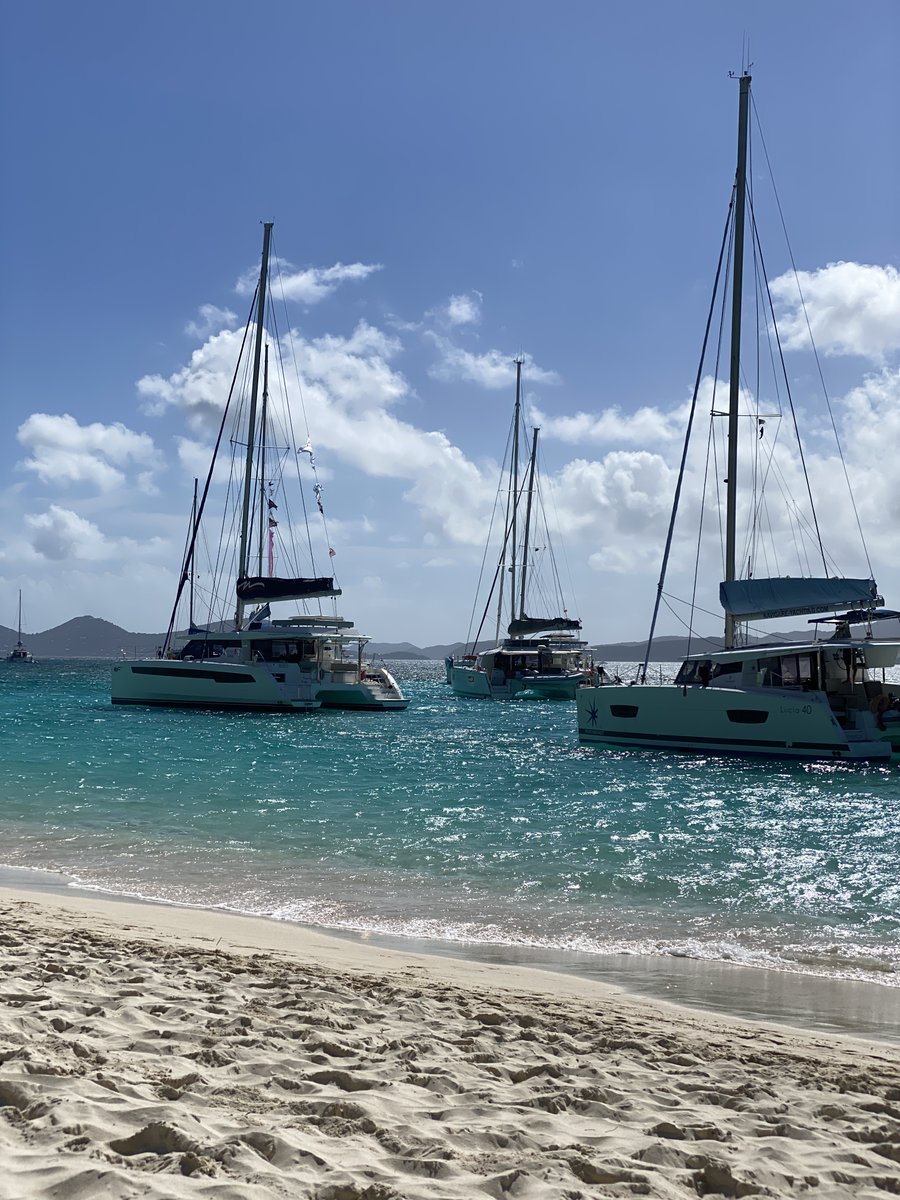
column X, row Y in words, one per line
column 541, row 657
column 19, row 654
column 813, row 699
column 252, row 661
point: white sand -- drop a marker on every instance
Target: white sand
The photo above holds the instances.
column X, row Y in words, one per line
column 148, row 1051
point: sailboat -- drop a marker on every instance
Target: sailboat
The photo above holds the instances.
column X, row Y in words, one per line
column 252, row 660
column 19, row 654
column 810, row 699
column 540, row 657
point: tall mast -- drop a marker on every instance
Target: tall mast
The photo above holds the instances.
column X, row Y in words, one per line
column 740, row 187
column 515, row 491
column 191, row 563
column 263, row 496
column 534, row 440
column 244, row 555
column 20, row 617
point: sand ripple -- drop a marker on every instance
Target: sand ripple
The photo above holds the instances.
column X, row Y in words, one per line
column 136, row 1067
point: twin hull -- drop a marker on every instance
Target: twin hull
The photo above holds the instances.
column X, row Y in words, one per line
column 473, row 682
column 770, row 723
column 249, row 686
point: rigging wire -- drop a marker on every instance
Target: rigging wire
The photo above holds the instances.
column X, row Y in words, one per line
column 297, row 452
column 812, row 342
column 642, row 675
column 473, row 642
column 206, row 486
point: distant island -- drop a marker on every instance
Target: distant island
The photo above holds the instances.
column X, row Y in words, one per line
column 92, row 637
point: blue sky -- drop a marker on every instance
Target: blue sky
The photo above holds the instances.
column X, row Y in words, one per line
column 562, row 172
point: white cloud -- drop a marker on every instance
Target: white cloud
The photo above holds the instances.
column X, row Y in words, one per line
column 852, row 308
column 307, row 286
column 64, row 452
column 194, row 456
column 612, row 512
column 354, row 371
column 199, row 389
column 211, row 320
column 493, row 369
column 464, row 309
column 646, row 425
column 61, row 535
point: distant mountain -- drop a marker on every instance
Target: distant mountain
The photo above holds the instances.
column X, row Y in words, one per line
column 84, row 637
column 407, row 650
column 91, row 637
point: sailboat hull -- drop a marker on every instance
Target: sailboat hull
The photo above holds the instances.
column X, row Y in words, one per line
column 260, row 687
column 477, row 684
column 20, row 655
column 556, row 687
column 715, row 720
column 178, row 684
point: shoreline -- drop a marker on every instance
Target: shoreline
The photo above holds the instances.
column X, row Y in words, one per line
column 165, row 1053
column 809, row 1003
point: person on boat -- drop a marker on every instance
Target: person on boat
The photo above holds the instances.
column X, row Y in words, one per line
column 704, row 673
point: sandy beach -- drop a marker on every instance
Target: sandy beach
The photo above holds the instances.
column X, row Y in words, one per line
column 148, row 1051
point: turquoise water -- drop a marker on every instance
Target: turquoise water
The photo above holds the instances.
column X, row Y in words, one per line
column 460, row 821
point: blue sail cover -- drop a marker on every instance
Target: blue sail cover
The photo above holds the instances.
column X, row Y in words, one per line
column 756, row 599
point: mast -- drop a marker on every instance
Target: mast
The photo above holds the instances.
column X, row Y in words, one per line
column 191, row 564
column 244, row 554
column 534, row 441
column 19, row 643
column 515, row 490
column 263, row 507
column 740, row 187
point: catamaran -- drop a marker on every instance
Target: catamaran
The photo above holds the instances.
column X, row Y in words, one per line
column 819, row 698
column 310, row 659
column 540, row 657
column 19, row 654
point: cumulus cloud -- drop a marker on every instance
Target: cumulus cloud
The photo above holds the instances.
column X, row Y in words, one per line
column 355, row 371
column 493, row 369
column 349, row 387
column 852, row 308
column 60, row 534
column 646, row 425
column 211, row 319
column 464, row 309
column 64, row 452
column 201, row 388
column 613, row 510
column 309, row 285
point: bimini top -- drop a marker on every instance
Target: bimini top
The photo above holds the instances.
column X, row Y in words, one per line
column 522, row 626
column 758, row 599
column 874, row 653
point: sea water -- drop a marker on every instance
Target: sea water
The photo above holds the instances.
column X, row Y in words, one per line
column 471, row 824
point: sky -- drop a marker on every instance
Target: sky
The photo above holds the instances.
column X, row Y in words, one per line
column 452, row 185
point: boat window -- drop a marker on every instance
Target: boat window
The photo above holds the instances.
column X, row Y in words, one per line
column 623, row 710
column 728, row 668
column 790, row 670
column 687, row 673
column 201, row 648
column 797, row 669
column 770, row 669
column 747, row 716
column 808, row 672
